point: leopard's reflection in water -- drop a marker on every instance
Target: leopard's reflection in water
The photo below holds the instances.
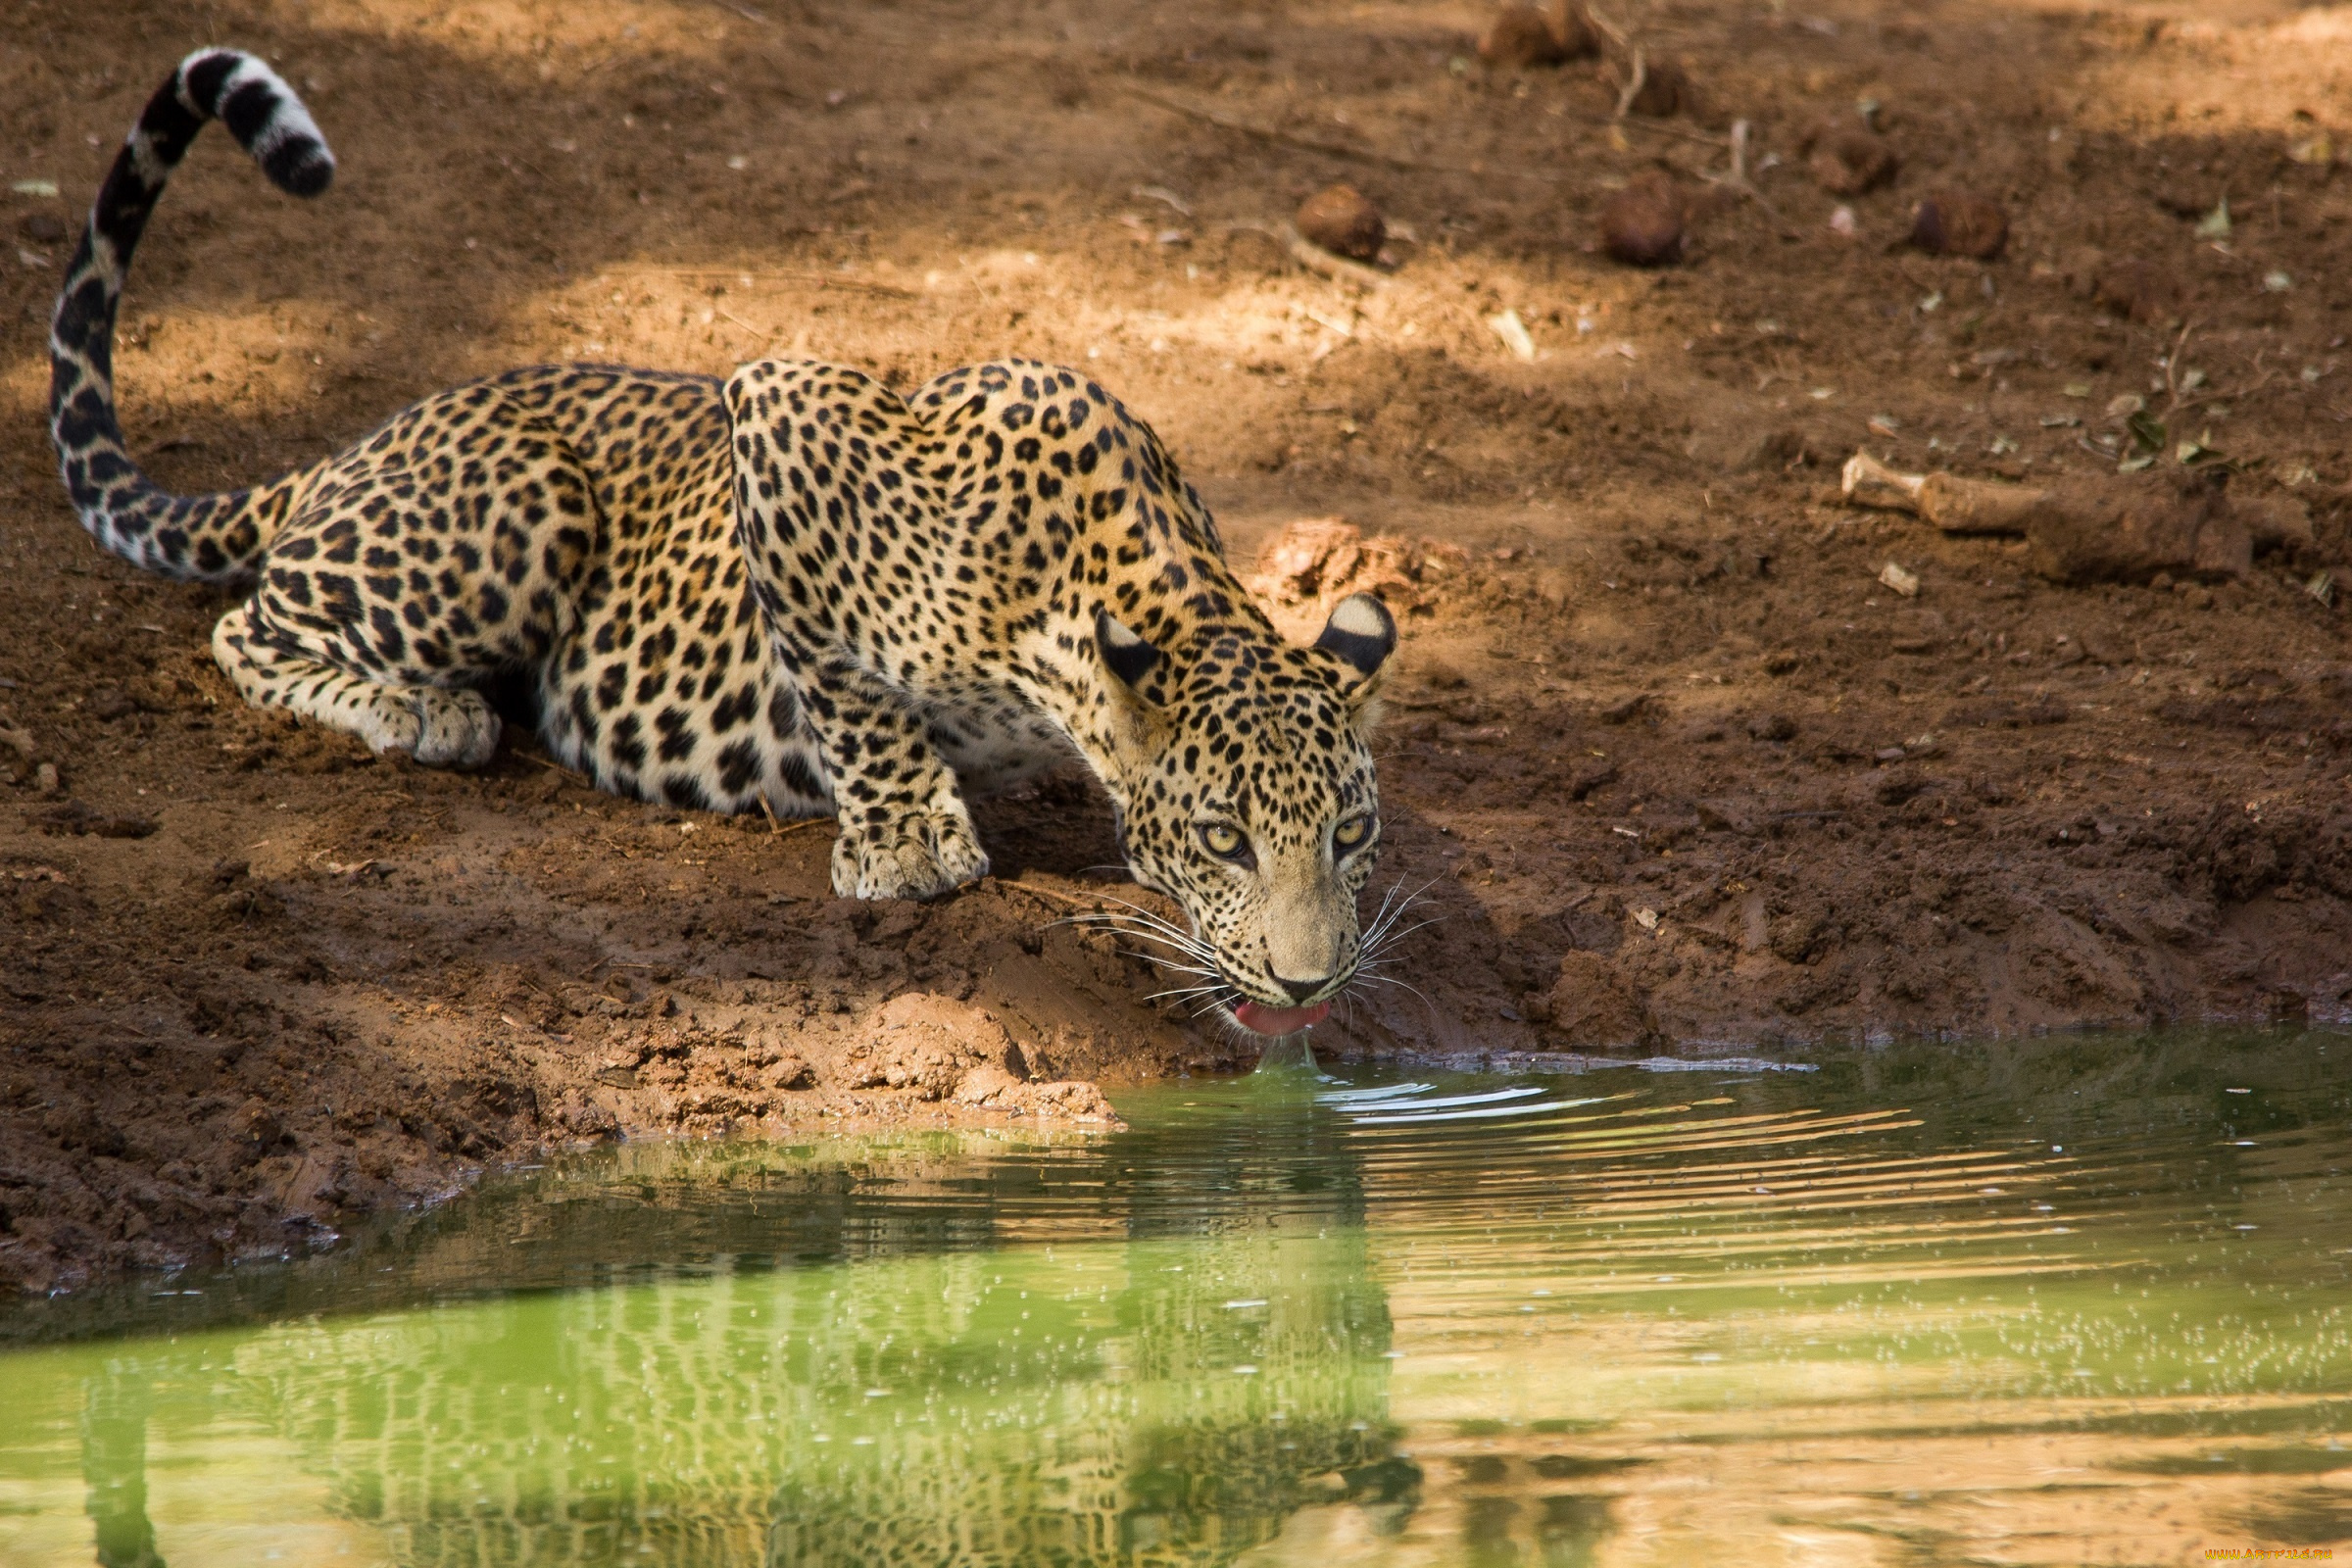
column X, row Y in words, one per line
column 2057, row 1301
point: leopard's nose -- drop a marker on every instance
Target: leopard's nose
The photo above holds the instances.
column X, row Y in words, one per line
column 1300, row 990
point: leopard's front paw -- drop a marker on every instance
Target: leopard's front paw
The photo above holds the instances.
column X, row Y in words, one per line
column 917, row 857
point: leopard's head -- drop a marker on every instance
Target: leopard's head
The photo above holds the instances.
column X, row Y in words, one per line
column 1246, row 793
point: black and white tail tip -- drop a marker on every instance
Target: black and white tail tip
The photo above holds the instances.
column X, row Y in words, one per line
column 262, row 112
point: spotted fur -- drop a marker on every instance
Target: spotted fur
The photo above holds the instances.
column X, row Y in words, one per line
column 791, row 589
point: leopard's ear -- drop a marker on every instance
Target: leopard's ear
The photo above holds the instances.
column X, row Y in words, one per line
column 1360, row 635
column 1127, row 657
column 1138, row 724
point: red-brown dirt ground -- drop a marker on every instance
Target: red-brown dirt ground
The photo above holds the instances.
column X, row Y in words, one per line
column 1671, row 764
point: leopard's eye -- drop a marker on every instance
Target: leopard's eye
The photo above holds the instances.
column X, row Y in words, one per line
column 1352, row 833
column 1224, row 840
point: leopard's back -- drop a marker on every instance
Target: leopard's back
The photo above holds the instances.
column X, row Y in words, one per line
column 666, row 686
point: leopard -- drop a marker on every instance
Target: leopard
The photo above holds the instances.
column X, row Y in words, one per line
column 790, row 589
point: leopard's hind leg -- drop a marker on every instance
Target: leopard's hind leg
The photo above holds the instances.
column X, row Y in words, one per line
column 439, row 726
column 444, row 548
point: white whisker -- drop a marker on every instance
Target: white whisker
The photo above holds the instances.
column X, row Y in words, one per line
column 1386, row 980
column 1167, row 937
column 1387, row 942
column 1161, row 929
column 1380, row 916
column 1186, row 990
column 1174, row 967
column 1384, row 921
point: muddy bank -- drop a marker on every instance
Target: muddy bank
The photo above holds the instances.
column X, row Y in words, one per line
column 314, row 984
column 1668, row 762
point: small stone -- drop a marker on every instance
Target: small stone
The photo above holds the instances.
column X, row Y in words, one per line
column 43, row 229
column 262, row 1129
column 1592, row 776
column 1851, row 162
column 1666, row 90
column 2276, row 522
column 591, row 1120
column 1772, row 451
column 1957, row 223
column 1799, row 936
column 1572, row 30
column 2139, row 292
column 1626, row 709
column 1519, row 37
column 786, row 1069
column 1641, row 224
column 1726, row 815
column 1342, row 221
column 2079, row 267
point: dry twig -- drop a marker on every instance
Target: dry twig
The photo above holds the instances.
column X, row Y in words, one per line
column 1333, row 149
column 856, row 285
column 762, row 333
column 2175, row 397
column 1667, row 127
column 1313, row 257
column 1284, row 138
column 1737, row 178
column 1609, row 30
column 1634, row 82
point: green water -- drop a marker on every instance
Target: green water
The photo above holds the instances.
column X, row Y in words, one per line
column 2053, row 1302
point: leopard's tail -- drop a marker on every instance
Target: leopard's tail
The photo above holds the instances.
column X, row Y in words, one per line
column 213, row 538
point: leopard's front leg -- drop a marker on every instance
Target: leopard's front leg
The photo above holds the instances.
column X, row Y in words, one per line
column 905, row 832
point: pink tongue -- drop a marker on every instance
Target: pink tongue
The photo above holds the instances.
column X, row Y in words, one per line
column 1267, row 1020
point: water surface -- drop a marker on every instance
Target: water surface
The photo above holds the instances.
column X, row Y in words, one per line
column 2053, row 1302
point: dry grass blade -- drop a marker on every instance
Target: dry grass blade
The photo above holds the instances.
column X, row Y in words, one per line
column 854, row 285
column 1636, row 80
column 1738, row 178
column 1331, row 149
column 1268, row 134
column 1313, row 258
